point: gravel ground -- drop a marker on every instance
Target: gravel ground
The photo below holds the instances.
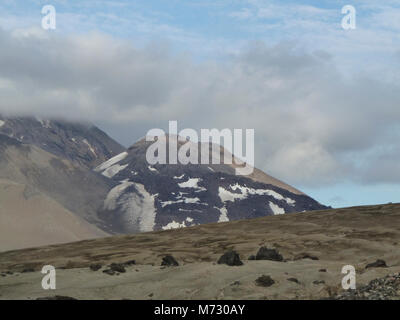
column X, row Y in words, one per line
column 386, row 288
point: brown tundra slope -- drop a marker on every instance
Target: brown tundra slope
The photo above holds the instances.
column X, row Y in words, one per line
column 314, row 245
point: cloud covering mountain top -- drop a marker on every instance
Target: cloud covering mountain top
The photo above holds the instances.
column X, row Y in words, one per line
column 313, row 125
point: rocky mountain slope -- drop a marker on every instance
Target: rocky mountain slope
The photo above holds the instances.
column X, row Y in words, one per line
column 45, row 198
column 82, row 143
column 34, row 219
column 163, row 196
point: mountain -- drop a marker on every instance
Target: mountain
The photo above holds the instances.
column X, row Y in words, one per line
column 45, row 199
column 82, row 178
column 158, row 197
column 82, row 143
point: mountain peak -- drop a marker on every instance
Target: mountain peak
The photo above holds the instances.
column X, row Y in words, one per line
column 82, row 143
column 163, row 196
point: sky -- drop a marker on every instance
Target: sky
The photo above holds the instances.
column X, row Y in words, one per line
column 324, row 101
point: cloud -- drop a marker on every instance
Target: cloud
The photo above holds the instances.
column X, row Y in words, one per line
column 313, row 126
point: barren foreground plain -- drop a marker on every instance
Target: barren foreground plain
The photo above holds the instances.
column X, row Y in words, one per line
column 314, row 245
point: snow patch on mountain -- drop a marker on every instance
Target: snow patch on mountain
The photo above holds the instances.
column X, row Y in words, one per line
column 111, row 201
column 177, row 225
column 276, row 209
column 113, row 170
column 192, row 183
column 140, row 209
column 184, row 200
column 227, row 195
column 90, row 147
column 174, row 225
column 112, row 161
column 152, row 169
column 224, row 215
column 45, row 123
column 2, row 123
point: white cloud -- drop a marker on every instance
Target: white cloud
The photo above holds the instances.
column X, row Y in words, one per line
column 309, row 119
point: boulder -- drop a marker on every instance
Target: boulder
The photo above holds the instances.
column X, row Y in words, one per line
column 268, row 254
column 264, row 281
column 230, row 258
column 95, row 267
column 169, row 261
column 377, row 264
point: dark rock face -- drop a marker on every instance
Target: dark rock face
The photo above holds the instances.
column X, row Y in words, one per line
column 264, row 281
column 169, row 261
column 177, row 195
column 268, row 254
column 230, row 258
column 377, row 264
column 78, row 142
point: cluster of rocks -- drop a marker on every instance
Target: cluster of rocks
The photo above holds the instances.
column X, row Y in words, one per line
column 232, row 258
column 386, row 288
column 113, row 268
column 118, row 268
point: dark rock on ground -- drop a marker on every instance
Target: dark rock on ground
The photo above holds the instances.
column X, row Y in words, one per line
column 265, row 281
column 293, row 280
column 230, row 258
column 169, row 261
column 109, row 272
column 377, row 264
column 57, row 298
column 322, row 270
column 268, row 254
column 305, row 256
column 252, row 257
column 117, row 267
column 319, row 282
column 95, row 267
column 28, row 270
column 129, row 263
